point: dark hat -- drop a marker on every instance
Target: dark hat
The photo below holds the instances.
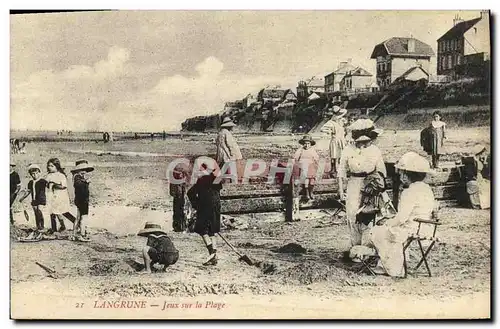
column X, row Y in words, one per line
column 307, row 138
column 82, row 165
column 151, row 228
column 80, row 161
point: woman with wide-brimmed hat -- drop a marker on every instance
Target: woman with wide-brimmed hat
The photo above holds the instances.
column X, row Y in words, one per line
column 417, row 202
column 358, row 161
column 228, row 149
column 307, row 159
column 337, row 137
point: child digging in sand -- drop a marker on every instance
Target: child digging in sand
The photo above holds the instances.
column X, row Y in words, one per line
column 159, row 248
column 81, row 181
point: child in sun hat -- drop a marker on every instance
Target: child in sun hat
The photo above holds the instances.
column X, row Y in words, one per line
column 307, row 158
column 81, row 181
column 37, row 189
column 159, row 248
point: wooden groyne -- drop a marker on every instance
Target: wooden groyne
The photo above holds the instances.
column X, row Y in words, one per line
column 447, row 186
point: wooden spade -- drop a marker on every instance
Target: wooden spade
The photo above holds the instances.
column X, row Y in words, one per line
column 243, row 257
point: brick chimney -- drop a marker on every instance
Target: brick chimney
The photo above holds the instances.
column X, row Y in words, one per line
column 344, row 64
column 457, row 20
column 411, row 45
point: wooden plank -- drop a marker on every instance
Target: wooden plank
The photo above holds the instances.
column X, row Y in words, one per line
column 249, row 205
column 445, row 195
column 233, row 191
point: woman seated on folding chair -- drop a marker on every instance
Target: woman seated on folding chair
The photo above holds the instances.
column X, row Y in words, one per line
column 417, row 202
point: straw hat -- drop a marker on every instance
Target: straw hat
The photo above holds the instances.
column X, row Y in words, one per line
column 411, row 161
column 363, row 138
column 307, row 138
column 151, row 228
column 478, row 149
column 339, row 112
column 361, row 124
column 82, row 165
column 227, row 122
column 12, row 164
column 34, row 167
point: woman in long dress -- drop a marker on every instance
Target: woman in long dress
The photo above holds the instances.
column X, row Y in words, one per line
column 357, row 162
column 337, row 138
column 227, row 148
column 417, row 202
column 57, row 195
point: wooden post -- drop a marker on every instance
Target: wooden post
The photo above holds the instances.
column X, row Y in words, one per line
column 396, row 188
column 292, row 197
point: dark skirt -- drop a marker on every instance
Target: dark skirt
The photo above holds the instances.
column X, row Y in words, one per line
column 208, row 216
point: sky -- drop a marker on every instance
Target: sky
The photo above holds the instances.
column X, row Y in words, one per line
column 151, row 70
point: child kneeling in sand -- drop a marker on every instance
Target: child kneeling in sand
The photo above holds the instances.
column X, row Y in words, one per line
column 159, row 249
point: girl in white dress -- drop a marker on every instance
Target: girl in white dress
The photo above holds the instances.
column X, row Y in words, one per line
column 57, row 195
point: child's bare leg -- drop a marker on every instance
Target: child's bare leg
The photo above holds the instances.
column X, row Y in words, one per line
column 214, row 242
column 62, row 227
column 83, row 227
column 76, row 223
column 147, row 259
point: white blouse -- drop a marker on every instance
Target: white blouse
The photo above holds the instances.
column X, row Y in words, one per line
column 366, row 160
column 417, row 201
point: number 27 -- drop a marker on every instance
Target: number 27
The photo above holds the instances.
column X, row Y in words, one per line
column 79, row 305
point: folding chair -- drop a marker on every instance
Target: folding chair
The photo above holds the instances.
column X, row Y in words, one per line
column 419, row 238
column 340, row 206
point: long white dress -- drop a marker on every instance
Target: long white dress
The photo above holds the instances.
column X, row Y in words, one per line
column 417, row 201
column 57, row 200
column 358, row 161
column 227, row 147
column 337, row 141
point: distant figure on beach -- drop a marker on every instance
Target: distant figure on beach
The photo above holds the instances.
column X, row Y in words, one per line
column 22, row 149
column 164, row 135
column 432, row 138
column 152, row 136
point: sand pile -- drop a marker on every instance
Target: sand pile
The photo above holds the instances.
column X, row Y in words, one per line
column 291, row 248
column 103, row 267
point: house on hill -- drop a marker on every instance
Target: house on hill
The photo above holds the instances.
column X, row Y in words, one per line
column 306, row 88
column 268, row 95
column 465, row 46
column 332, row 80
column 397, row 55
column 357, row 80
